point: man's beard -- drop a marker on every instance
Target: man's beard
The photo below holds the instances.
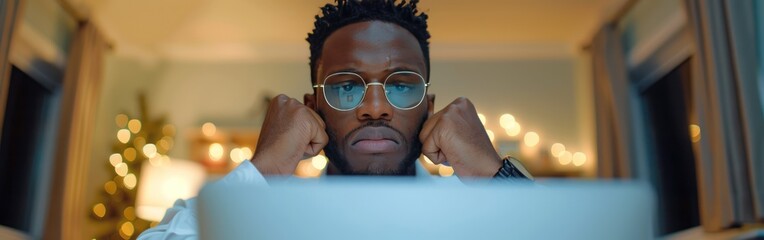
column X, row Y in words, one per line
column 337, row 156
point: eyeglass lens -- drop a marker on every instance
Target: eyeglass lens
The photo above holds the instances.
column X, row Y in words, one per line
column 345, row 91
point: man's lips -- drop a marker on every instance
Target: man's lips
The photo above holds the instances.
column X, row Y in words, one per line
column 375, row 146
column 375, row 140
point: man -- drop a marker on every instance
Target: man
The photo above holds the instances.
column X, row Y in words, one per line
column 369, row 111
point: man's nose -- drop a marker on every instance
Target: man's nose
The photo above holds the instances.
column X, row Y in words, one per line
column 375, row 105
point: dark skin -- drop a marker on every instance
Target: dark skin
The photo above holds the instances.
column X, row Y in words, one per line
column 293, row 131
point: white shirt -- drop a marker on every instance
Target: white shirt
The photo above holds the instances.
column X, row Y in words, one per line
column 180, row 222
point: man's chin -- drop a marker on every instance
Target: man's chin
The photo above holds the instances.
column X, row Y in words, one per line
column 391, row 164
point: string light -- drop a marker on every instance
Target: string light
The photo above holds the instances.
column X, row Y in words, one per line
column 246, row 152
column 216, row 152
column 557, row 149
column 115, row 158
column 129, row 154
column 121, row 120
column 99, row 210
column 319, row 162
column 506, row 120
column 139, row 142
column 482, row 118
column 491, row 135
column 130, row 181
column 127, row 229
column 531, row 139
column 129, row 213
column 134, row 125
column 236, row 155
column 121, row 169
column 579, row 158
column 514, row 129
column 209, row 129
column 123, row 135
column 110, row 187
column 565, row 158
column 150, row 150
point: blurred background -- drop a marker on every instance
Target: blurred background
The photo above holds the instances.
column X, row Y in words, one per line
column 112, row 109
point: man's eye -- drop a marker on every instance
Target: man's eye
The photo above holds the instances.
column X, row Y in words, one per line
column 348, row 87
column 401, row 87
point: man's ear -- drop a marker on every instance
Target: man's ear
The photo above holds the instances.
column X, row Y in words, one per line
column 310, row 101
column 430, row 104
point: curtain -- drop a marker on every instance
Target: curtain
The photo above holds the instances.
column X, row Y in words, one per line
column 8, row 15
column 80, row 92
column 614, row 142
column 730, row 165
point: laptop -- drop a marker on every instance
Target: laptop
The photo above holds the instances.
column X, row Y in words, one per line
column 395, row 208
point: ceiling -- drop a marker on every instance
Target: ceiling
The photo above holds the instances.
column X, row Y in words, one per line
column 215, row 30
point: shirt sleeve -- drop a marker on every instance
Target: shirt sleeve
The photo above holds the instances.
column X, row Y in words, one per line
column 180, row 222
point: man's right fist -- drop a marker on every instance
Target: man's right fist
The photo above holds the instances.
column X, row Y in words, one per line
column 291, row 132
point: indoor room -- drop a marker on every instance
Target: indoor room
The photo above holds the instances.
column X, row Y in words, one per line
column 606, row 117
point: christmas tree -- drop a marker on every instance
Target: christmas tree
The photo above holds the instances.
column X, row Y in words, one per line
column 138, row 140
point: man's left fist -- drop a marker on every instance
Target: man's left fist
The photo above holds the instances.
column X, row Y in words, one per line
column 455, row 135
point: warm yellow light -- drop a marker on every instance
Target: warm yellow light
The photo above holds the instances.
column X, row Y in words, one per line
column 246, row 153
column 159, row 160
column 209, row 129
column 695, row 132
column 127, row 229
column 99, row 210
column 565, row 158
column 129, row 213
column 306, row 170
column 168, row 141
column 427, row 160
column 130, row 181
column 319, row 162
column 506, row 120
column 579, row 158
column 491, row 135
column 216, row 152
column 531, row 139
column 168, row 130
column 110, row 187
column 482, row 118
column 129, row 154
column 115, row 158
column 121, row 169
column 514, row 129
column 445, row 171
column 150, row 150
column 138, row 142
column 121, row 120
column 557, row 149
column 134, row 125
column 235, row 155
column 123, row 135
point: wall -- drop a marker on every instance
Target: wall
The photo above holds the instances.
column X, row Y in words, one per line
column 548, row 96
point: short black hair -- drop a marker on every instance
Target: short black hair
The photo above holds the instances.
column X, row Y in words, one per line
column 346, row 12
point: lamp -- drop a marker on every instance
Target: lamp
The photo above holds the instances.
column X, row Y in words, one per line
column 163, row 182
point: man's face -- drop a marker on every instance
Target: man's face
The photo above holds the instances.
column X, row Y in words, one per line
column 375, row 137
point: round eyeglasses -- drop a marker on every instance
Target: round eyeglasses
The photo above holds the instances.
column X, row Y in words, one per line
column 344, row 91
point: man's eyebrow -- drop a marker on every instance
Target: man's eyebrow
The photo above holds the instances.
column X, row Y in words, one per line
column 392, row 70
column 403, row 68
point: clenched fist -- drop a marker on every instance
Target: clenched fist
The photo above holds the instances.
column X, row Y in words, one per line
column 291, row 132
column 455, row 136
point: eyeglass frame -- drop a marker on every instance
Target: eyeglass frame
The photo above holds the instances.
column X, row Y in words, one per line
column 366, row 89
